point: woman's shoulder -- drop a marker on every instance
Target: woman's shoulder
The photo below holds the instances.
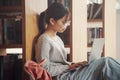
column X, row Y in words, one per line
column 43, row 37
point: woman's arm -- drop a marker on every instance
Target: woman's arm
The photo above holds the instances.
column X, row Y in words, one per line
column 76, row 65
column 44, row 51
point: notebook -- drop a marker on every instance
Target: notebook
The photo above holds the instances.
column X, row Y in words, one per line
column 96, row 50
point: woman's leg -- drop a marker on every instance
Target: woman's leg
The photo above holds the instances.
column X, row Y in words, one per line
column 111, row 69
column 101, row 69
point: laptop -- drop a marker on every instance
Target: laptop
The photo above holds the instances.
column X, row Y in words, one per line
column 96, row 50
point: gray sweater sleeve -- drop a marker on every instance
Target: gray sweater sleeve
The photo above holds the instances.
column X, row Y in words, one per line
column 44, row 51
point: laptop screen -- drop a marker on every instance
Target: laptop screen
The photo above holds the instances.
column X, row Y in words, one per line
column 97, row 49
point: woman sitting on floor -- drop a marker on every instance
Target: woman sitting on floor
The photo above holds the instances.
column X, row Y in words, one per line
column 49, row 46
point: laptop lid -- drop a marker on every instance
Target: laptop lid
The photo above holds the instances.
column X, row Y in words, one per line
column 97, row 49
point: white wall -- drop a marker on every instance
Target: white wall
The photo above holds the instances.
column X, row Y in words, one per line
column 118, row 33
column 110, row 28
column 79, row 35
column 42, row 5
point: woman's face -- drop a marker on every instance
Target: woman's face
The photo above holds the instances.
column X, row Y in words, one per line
column 61, row 24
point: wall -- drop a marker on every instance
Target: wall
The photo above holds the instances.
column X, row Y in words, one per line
column 79, row 35
column 118, row 33
column 110, row 28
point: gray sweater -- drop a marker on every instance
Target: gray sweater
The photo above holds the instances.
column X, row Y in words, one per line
column 53, row 50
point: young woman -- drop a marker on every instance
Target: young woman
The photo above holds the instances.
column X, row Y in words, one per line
column 49, row 46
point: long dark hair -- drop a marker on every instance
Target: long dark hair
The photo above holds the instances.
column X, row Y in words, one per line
column 56, row 11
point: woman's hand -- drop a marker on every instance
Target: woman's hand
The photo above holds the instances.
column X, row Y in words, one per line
column 79, row 64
